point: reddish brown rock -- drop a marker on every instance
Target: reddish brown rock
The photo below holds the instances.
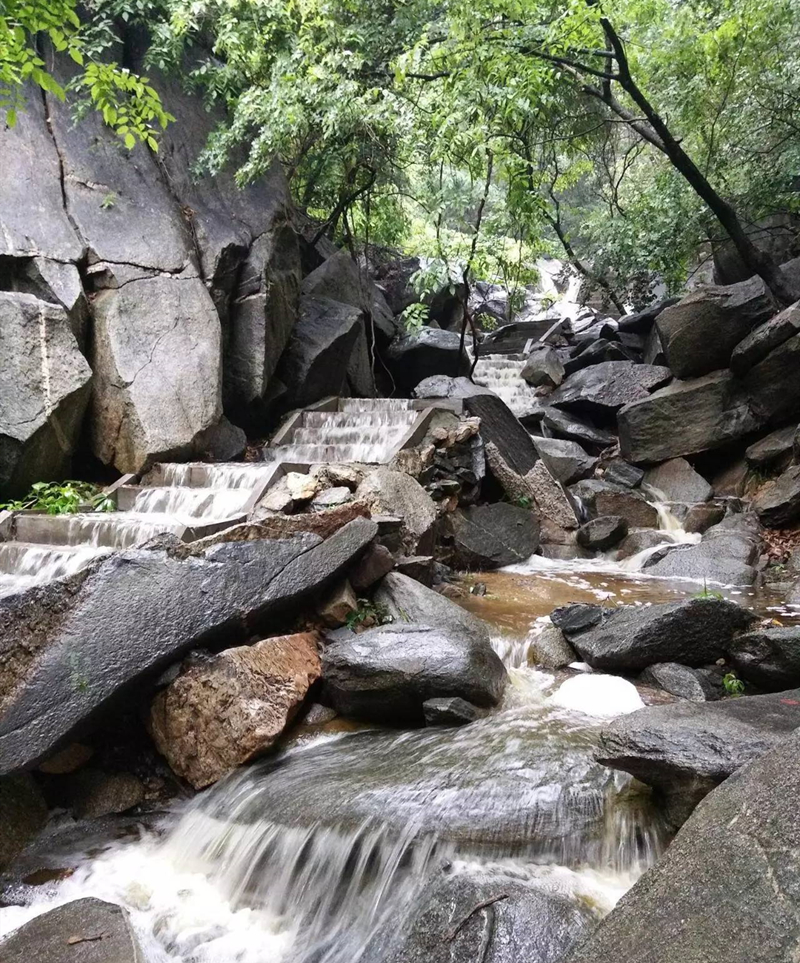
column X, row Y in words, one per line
column 232, row 707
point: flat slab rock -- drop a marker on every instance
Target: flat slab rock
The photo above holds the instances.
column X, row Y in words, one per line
column 84, row 931
column 609, row 385
column 631, row 637
column 388, row 673
column 727, row 889
column 68, row 647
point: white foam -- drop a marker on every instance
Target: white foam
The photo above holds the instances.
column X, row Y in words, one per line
column 602, row 696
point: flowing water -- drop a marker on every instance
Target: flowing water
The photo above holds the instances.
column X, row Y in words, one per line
column 303, row 857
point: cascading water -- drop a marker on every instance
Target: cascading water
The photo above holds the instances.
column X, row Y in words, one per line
column 502, row 374
column 366, row 431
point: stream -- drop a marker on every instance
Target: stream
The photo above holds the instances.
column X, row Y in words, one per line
column 301, row 857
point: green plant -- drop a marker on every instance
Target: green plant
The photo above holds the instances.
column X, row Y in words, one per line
column 368, row 614
column 62, row 499
column 414, row 317
column 733, row 684
column 708, row 593
column 108, row 201
column 524, row 501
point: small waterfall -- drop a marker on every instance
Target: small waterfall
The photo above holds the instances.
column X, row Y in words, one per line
column 362, row 430
column 23, row 565
column 200, row 475
column 502, row 374
column 210, row 504
column 672, row 530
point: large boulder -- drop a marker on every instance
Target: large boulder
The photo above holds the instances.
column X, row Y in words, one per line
column 701, row 331
column 315, row 363
column 157, row 361
column 225, row 710
column 769, row 657
column 677, row 481
column 776, row 447
column 389, row 492
column 407, row 600
column 83, row 931
column 726, row 890
column 680, row 680
column 430, row 351
column 726, row 554
column 778, row 502
column 68, row 647
column 490, row 915
column 602, row 533
column 491, row 536
column 565, row 424
column 685, row 750
column 386, row 674
column 764, row 339
column 686, row 418
column 44, row 390
column 603, row 389
column 772, row 386
column 543, row 368
column 567, row 461
column 631, row 637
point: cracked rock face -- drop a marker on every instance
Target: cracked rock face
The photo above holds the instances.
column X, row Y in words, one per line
column 157, row 356
column 44, row 389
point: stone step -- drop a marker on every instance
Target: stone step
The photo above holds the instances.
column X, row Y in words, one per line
column 101, row 530
column 367, row 419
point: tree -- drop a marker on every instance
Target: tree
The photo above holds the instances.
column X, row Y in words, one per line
column 128, row 104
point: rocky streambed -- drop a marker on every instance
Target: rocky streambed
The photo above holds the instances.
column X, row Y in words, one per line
column 505, row 837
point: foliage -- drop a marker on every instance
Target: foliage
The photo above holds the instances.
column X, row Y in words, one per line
column 733, row 684
column 127, row 102
column 368, row 614
column 62, row 499
column 708, row 593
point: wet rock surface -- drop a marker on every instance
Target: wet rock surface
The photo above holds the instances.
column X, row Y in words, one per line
column 685, row 750
column 388, row 673
column 491, row 536
column 726, row 891
column 768, row 657
column 630, row 638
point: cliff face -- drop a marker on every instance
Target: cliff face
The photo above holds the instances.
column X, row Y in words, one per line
column 139, row 302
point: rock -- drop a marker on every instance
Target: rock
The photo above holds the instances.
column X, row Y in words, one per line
column 414, row 357
column 679, row 680
column 701, row 517
column 603, row 389
column 301, row 487
column 639, row 540
column 231, row 708
column 322, row 523
column 443, row 386
column 448, row 712
column 331, row 498
column 376, row 562
column 410, row 601
column 772, row 386
column 726, row 889
column 314, row 365
column 602, row 533
column 778, row 502
column 677, row 481
column 626, row 504
column 418, row 567
column 23, row 814
column 764, row 339
column 136, row 612
column 501, row 429
column 725, row 555
column 390, row 492
column 642, row 321
column 775, row 446
column 619, row 472
column 685, row 750
column 566, row 425
column 339, row 476
column 45, row 384
column 701, row 331
column 485, row 914
column 83, row 931
column 577, row 617
column 543, row 368
column 768, row 657
column 550, row 649
column 686, row 418
column 630, row 637
column 567, row 461
column 339, row 279
column 92, row 793
column 157, row 362
column 67, row 760
column 221, row 442
column 386, row 674
column 334, row 609
column 491, row 536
